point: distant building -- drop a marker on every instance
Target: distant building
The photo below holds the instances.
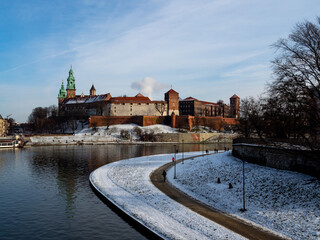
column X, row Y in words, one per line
column 4, row 127
column 235, row 107
column 83, row 106
column 194, row 107
column 172, row 99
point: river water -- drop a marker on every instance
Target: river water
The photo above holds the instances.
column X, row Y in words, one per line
column 45, row 191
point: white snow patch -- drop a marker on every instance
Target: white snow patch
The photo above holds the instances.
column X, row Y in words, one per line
column 114, row 130
column 283, row 201
column 127, row 184
column 101, row 134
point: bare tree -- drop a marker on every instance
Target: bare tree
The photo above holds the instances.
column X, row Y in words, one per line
column 44, row 119
column 52, row 111
column 251, row 117
column 107, row 121
column 73, row 124
column 160, row 107
column 297, row 72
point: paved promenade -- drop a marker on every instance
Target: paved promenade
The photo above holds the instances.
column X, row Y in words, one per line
column 234, row 224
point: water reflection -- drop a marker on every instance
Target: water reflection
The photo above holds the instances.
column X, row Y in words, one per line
column 45, row 192
column 66, row 184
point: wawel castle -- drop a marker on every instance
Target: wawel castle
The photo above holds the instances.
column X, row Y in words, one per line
column 82, row 106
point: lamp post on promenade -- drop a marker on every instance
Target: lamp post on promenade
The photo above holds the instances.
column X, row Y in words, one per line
column 243, row 190
column 174, row 162
column 202, row 147
column 182, row 150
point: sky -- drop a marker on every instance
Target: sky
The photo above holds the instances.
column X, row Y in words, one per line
column 207, row 49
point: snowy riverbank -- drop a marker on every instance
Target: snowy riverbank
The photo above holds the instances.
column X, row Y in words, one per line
column 99, row 135
column 127, row 184
column 283, row 201
column 129, row 133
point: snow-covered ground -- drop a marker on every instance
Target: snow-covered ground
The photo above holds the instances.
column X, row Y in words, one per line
column 283, row 201
column 83, row 134
column 115, row 130
column 127, row 184
column 101, row 134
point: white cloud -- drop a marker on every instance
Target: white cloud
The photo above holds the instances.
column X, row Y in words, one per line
column 148, row 86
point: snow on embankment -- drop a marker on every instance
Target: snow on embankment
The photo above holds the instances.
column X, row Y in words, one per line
column 115, row 130
column 100, row 134
column 126, row 183
column 283, row 201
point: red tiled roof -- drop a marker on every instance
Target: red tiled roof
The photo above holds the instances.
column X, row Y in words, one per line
column 203, row 102
column 208, row 103
column 172, row 91
column 135, row 99
column 234, row 96
column 190, row 99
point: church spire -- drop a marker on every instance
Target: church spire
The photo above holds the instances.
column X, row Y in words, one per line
column 71, row 85
column 92, row 91
column 71, row 80
column 62, row 92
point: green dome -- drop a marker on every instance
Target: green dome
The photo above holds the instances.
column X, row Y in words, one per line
column 71, row 80
column 62, row 92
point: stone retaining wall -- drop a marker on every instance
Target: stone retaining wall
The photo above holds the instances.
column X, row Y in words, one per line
column 302, row 161
column 187, row 137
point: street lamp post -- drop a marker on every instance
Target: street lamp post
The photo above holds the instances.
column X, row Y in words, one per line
column 182, row 150
column 203, row 147
column 174, row 162
column 243, row 190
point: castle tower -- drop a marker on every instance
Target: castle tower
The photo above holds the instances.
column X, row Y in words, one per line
column 62, row 94
column 172, row 99
column 235, row 107
column 92, row 91
column 71, row 86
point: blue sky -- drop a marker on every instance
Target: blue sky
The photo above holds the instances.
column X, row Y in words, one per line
column 205, row 49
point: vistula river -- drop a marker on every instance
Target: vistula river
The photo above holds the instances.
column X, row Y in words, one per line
column 45, row 191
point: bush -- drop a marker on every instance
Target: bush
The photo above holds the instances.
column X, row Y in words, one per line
column 138, row 132
column 124, row 134
column 148, row 136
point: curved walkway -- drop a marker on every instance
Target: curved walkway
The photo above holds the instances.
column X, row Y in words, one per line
column 234, row 224
column 127, row 185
